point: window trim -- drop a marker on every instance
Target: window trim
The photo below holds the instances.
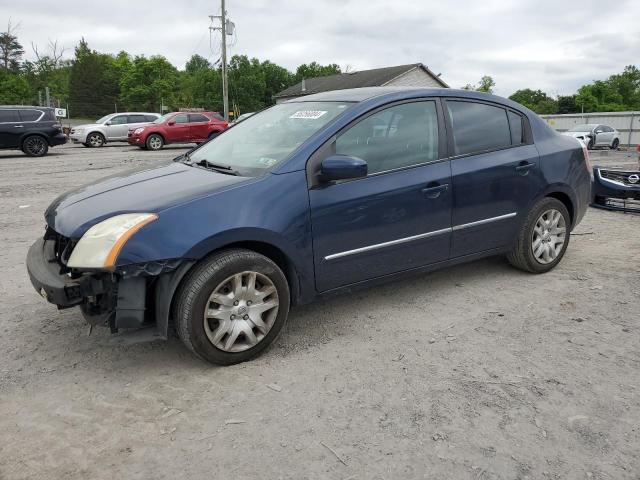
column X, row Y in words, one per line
column 450, row 142
column 29, row 110
column 329, row 147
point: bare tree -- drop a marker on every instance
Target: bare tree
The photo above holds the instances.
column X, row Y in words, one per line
column 52, row 58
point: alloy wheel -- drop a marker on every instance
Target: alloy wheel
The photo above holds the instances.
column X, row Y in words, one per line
column 35, row 146
column 241, row 311
column 96, row 140
column 155, row 143
column 549, row 236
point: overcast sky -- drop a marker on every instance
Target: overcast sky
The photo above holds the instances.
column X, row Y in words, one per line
column 553, row 45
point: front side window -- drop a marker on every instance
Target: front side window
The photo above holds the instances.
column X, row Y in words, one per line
column 119, row 120
column 397, row 137
column 258, row 143
column 478, row 127
column 182, row 118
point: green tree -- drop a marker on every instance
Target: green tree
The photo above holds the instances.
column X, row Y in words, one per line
column 276, row 79
column 14, row 89
column 10, row 49
column 567, row 104
column 149, row 83
column 200, row 85
column 247, row 84
column 485, row 85
column 314, row 69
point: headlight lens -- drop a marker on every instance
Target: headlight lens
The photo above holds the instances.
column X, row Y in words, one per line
column 138, row 130
column 100, row 245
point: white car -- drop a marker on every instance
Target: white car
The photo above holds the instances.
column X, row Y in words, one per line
column 110, row 128
column 595, row 135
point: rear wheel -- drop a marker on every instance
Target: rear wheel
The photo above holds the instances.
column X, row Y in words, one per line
column 543, row 237
column 95, row 140
column 615, row 144
column 213, row 135
column 232, row 306
column 154, row 142
column 590, row 145
column 35, row 146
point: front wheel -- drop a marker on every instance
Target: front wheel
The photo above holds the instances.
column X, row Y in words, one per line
column 615, row 144
column 232, row 306
column 95, row 140
column 543, row 237
column 154, row 142
column 35, row 146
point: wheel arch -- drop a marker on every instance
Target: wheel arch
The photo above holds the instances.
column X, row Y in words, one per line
column 104, row 137
column 566, row 201
column 34, row 134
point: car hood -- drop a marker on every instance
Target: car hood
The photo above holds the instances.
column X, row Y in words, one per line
column 576, row 134
column 141, row 190
column 89, row 125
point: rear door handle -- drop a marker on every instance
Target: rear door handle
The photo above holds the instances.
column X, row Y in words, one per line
column 435, row 191
column 524, row 168
column 18, row 126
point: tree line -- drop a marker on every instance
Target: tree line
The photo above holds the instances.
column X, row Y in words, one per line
column 93, row 84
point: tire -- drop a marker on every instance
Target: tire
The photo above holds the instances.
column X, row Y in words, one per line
column 615, row 144
column 237, row 330
column 523, row 257
column 213, row 135
column 154, row 142
column 35, row 146
column 95, row 140
column 590, row 145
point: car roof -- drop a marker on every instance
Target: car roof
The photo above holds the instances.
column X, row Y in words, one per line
column 24, row 107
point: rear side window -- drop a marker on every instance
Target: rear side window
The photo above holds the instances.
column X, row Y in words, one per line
column 150, row 118
column 478, row 127
column 137, row 119
column 396, row 137
column 517, row 134
column 9, row 116
column 197, row 117
column 217, row 116
column 30, row 115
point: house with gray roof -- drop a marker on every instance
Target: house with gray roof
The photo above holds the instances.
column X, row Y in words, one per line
column 412, row 75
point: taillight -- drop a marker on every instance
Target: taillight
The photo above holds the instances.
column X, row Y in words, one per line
column 585, row 154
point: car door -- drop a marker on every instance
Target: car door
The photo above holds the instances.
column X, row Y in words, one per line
column 136, row 120
column 396, row 218
column 178, row 129
column 198, row 127
column 11, row 128
column 117, row 127
column 494, row 167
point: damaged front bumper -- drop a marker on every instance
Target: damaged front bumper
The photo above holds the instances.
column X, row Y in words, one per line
column 616, row 190
column 129, row 297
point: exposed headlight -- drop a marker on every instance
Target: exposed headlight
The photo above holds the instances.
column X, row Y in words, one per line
column 100, row 245
column 138, row 130
column 78, row 130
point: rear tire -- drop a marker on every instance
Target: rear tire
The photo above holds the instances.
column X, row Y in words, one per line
column 154, row 142
column 590, row 145
column 231, row 306
column 35, row 146
column 538, row 248
column 615, row 144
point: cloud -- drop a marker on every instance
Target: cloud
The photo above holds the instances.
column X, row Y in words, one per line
column 548, row 44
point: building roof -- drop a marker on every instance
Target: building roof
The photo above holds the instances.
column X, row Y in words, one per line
column 365, row 78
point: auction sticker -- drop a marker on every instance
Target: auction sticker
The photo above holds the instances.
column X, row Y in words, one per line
column 310, row 114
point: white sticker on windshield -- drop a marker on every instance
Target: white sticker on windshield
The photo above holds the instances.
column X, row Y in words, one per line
column 309, row 114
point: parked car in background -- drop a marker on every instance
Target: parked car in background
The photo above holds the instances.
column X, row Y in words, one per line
column 110, row 128
column 178, row 127
column 595, row 135
column 306, row 199
column 30, row 129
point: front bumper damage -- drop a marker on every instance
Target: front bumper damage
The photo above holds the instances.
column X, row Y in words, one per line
column 616, row 190
column 130, row 297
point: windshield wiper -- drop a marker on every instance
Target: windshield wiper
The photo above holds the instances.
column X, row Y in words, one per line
column 226, row 169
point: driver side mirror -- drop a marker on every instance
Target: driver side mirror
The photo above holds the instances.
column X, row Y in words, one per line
column 342, row 167
column 108, row 123
column 171, row 123
column 598, row 131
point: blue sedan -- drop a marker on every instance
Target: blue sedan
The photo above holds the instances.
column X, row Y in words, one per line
column 323, row 194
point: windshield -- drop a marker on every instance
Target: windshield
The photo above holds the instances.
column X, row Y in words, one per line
column 583, row 128
column 162, row 119
column 104, row 119
column 264, row 139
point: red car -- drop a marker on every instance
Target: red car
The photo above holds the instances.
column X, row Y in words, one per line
column 178, row 127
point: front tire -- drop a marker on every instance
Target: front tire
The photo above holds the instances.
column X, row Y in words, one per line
column 35, row 146
column 154, row 142
column 615, row 144
column 232, row 306
column 95, row 140
column 543, row 237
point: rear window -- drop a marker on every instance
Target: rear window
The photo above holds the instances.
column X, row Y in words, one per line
column 9, row 116
column 30, row 115
column 517, row 134
column 478, row 127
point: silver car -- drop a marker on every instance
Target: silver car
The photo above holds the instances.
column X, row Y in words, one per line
column 595, row 135
column 110, row 128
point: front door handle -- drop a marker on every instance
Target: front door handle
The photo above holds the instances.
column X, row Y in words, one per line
column 18, row 126
column 524, row 168
column 435, row 191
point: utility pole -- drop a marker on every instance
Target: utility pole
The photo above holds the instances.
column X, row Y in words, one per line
column 224, row 24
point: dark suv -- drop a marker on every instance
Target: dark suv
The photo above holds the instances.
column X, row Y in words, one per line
column 30, row 129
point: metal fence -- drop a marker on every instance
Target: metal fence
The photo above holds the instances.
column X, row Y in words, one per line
column 627, row 123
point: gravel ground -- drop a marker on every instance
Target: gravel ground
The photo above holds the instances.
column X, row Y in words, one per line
column 479, row 371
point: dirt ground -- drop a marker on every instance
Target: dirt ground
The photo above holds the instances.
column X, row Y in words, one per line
column 476, row 372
